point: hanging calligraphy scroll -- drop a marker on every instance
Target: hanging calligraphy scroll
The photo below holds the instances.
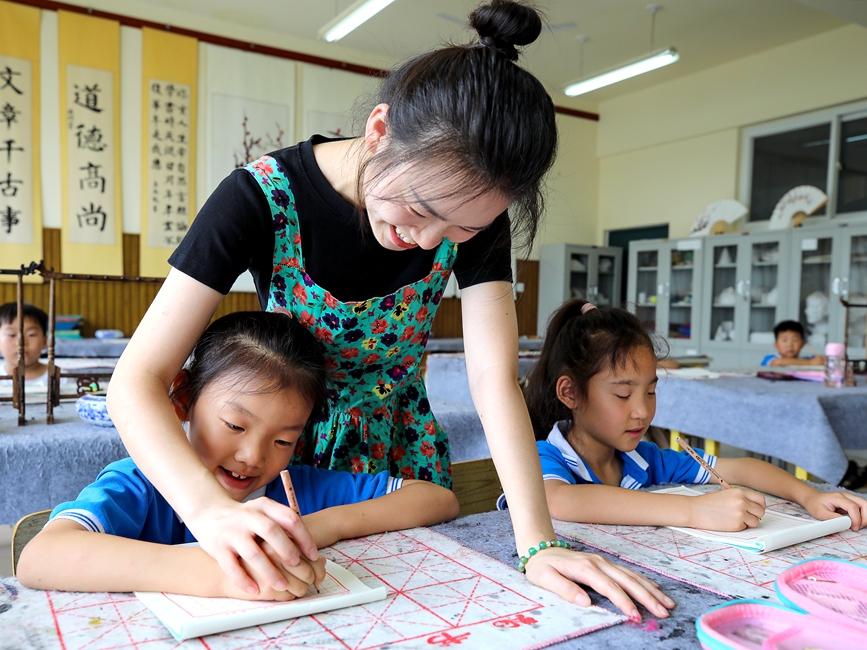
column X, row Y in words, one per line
column 169, row 76
column 20, row 210
column 90, row 152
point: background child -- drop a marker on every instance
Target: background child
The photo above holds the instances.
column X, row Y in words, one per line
column 247, row 392
column 789, row 341
column 35, row 333
column 592, row 396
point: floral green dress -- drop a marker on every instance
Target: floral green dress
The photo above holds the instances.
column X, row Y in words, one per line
column 379, row 417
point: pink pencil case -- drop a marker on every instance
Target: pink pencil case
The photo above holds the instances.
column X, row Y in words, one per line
column 825, row 607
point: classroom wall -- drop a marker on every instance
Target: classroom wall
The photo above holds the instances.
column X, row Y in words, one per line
column 572, row 186
column 667, row 151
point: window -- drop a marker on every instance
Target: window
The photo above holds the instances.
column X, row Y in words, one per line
column 827, row 150
column 852, row 170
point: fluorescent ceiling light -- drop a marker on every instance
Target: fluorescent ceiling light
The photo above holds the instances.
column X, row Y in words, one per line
column 623, row 72
column 354, row 16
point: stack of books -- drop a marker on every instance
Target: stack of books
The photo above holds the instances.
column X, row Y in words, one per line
column 68, row 326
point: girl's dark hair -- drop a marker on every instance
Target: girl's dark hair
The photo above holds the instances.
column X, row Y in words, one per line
column 470, row 114
column 267, row 351
column 579, row 346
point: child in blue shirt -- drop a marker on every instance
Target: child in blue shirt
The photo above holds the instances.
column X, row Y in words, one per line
column 592, row 396
column 245, row 396
column 789, row 341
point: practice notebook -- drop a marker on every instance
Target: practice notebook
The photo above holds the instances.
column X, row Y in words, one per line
column 188, row 617
column 776, row 530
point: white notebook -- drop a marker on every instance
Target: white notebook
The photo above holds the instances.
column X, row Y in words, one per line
column 776, row 530
column 188, row 617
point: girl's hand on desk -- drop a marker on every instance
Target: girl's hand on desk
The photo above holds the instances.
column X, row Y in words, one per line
column 827, row 505
column 231, row 533
column 298, row 581
column 727, row 510
column 559, row 570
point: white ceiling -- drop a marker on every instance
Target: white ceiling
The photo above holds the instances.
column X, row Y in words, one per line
column 707, row 33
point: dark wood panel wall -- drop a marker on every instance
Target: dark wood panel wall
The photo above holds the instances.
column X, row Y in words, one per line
column 106, row 305
column 447, row 323
column 121, row 305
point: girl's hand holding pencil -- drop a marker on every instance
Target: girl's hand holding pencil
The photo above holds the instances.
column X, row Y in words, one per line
column 726, row 510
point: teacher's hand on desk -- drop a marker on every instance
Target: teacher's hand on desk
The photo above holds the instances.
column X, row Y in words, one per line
column 560, row 570
column 231, row 533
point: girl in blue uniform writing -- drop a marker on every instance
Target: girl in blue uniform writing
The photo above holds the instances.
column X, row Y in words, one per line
column 592, row 396
column 245, row 397
column 356, row 238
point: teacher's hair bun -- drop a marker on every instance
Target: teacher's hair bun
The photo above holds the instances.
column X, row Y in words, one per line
column 503, row 24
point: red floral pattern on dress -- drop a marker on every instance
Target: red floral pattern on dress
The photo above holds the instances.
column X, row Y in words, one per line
column 378, row 415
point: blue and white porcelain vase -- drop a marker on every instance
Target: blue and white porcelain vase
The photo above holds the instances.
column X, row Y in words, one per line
column 92, row 409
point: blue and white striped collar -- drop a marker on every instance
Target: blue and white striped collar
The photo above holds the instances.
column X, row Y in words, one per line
column 634, row 466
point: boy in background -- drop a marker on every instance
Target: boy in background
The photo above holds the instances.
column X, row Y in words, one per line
column 35, row 335
column 789, row 341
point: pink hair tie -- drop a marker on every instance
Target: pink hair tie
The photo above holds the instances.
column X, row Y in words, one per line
column 587, row 306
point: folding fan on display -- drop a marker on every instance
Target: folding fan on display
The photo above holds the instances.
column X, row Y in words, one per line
column 796, row 205
column 718, row 217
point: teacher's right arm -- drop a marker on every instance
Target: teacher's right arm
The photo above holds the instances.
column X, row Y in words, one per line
column 140, row 409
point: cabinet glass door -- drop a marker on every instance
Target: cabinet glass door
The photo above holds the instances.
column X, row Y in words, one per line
column 605, row 291
column 815, row 290
column 646, row 287
column 680, row 292
column 855, row 291
column 579, row 276
column 764, row 292
column 724, row 293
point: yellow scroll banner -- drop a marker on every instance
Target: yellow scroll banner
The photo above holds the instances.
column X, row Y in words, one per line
column 169, row 77
column 20, row 195
column 89, row 51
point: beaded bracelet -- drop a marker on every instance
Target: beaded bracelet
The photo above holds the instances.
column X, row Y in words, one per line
column 554, row 543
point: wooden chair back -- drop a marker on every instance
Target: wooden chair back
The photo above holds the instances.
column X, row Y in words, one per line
column 24, row 531
column 476, row 485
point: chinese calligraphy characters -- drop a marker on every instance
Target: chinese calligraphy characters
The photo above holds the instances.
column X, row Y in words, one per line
column 16, row 151
column 168, row 166
column 90, row 155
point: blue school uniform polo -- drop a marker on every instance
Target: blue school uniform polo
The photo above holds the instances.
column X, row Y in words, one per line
column 124, row 503
column 646, row 465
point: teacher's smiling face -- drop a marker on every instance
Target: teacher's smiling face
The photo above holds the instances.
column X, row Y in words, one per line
column 401, row 218
column 417, row 204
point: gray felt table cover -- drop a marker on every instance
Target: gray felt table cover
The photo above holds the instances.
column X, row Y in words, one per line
column 42, row 465
column 801, row 422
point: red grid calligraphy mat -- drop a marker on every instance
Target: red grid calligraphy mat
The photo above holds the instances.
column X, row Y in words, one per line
column 709, row 565
column 440, row 594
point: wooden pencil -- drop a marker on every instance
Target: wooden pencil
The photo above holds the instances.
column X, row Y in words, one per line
column 701, row 461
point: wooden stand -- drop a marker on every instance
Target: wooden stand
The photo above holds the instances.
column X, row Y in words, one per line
column 84, row 380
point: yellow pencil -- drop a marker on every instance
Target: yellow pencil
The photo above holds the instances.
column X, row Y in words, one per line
column 293, row 501
column 701, row 461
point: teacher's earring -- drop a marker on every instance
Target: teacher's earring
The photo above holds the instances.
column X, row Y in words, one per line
column 179, row 395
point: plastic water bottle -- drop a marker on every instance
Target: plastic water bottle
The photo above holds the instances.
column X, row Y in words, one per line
column 835, row 365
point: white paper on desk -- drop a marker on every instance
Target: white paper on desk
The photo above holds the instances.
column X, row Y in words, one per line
column 188, row 617
column 776, row 530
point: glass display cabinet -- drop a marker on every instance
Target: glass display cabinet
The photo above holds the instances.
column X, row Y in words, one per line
column 575, row 271
column 742, row 296
column 663, row 278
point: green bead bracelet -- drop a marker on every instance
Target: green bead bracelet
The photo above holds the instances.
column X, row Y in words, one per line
column 541, row 546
